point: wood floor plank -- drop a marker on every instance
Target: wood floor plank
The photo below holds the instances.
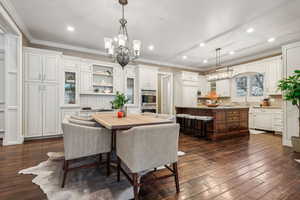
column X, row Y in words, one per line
column 242, row 168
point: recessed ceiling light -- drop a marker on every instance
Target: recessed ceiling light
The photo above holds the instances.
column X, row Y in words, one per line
column 71, row 28
column 231, row 52
column 202, row 44
column 115, row 39
column 151, row 47
column 184, row 57
column 250, row 30
column 271, row 39
column 205, row 61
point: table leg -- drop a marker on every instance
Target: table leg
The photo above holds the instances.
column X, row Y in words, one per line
column 113, row 147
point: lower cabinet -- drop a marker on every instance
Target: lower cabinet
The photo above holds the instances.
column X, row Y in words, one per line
column 266, row 119
column 41, row 110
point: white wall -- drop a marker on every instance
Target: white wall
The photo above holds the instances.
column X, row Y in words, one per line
column 291, row 62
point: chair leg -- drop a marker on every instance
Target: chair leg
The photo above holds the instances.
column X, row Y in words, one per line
column 135, row 186
column 118, row 169
column 176, row 177
column 65, row 168
column 108, row 164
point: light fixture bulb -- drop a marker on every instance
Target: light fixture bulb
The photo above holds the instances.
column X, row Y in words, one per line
column 271, row 39
column 250, row 30
column 71, row 28
column 202, row 44
column 151, row 47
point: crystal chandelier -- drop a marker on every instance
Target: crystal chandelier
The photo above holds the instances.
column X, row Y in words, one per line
column 119, row 48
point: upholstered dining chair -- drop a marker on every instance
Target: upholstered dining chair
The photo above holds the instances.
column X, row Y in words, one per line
column 146, row 148
column 82, row 140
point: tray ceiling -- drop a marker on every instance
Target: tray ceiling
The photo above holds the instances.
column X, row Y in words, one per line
column 174, row 27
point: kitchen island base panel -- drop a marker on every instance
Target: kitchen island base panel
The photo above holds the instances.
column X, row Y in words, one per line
column 228, row 122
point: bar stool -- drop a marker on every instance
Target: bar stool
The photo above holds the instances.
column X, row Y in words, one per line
column 181, row 120
column 190, row 123
column 204, row 120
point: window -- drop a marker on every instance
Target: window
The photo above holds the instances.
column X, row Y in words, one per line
column 257, row 85
column 249, row 85
column 241, row 86
column 130, row 90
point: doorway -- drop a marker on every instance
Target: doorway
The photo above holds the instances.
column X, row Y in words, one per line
column 10, row 80
column 165, row 93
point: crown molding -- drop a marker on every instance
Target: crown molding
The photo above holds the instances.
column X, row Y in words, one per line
column 67, row 46
column 10, row 8
column 102, row 53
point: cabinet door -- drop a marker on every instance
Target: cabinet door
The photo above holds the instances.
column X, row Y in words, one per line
column 85, row 81
column 189, row 96
column 33, row 110
column 223, row 88
column 33, row 67
column 251, row 121
column 50, row 69
column 50, row 110
column 263, row 121
column 148, row 79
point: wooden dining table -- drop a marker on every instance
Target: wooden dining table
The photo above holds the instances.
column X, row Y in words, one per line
column 111, row 122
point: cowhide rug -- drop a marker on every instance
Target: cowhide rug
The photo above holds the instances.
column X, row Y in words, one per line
column 83, row 184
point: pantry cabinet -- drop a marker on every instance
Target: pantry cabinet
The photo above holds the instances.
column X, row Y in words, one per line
column 41, row 102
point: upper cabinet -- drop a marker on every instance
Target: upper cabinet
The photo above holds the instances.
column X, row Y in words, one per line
column 41, row 65
column 223, row 88
column 273, row 75
column 148, row 78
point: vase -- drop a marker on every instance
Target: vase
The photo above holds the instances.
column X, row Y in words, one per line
column 124, row 110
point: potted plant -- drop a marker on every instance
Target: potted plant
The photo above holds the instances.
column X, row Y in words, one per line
column 291, row 88
column 119, row 103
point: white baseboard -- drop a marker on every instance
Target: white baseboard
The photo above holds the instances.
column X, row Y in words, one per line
column 287, row 143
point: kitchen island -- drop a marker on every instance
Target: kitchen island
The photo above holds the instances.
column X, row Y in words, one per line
column 228, row 122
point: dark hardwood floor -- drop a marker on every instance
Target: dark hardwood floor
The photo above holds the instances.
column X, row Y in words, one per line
column 243, row 168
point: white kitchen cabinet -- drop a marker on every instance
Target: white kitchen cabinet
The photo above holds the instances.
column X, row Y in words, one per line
column 263, row 120
column 203, row 86
column 266, row 119
column 41, row 100
column 185, row 91
column 251, row 121
column 50, row 68
column 50, row 110
column 273, row 75
column 148, row 78
column 41, row 65
column 33, row 110
column 34, row 66
column 223, row 88
column 86, row 81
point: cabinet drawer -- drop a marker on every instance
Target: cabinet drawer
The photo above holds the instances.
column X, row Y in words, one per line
column 233, row 126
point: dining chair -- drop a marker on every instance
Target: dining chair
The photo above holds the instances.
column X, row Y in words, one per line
column 83, row 141
column 167, row 116
column 146, row 148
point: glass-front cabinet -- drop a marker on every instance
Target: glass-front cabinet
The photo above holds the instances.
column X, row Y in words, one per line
column 70, row 88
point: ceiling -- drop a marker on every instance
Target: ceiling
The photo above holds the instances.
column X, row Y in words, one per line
column 174, row 27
